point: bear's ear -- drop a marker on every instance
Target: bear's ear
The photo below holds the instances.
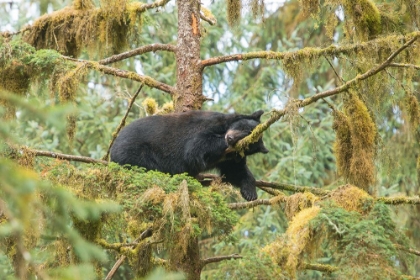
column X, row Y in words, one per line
column 257, row 115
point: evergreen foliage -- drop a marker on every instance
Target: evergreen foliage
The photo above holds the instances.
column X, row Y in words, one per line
column 337, row 79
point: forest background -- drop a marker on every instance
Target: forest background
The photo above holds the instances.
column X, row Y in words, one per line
column 338, row 81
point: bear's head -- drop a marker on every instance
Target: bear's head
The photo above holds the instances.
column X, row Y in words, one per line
column 242, row 128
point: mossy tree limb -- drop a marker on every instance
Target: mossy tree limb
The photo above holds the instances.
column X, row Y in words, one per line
column 312, row 53
column 148, row 81
column 277, row 114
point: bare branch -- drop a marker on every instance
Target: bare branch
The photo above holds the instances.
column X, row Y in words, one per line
column 122, row 123
column 41, row 153
column 277, row 114
column 148, row 81
column 138, row 51
column 410, row 250
column 405, row 65
column 220, row 258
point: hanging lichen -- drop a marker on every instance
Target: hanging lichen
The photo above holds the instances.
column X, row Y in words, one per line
column 287, row 250
column 364, row 16
column 343, row 149
column 413, row 110
column 363, row 135
column 310, row 7
column 100, row 30
column 297, row 202
column 152, row 108
column 234, row 8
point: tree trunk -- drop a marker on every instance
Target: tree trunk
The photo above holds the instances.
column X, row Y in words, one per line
column 189, row 87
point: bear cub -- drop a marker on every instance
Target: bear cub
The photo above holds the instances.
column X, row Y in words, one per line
column 192, row 142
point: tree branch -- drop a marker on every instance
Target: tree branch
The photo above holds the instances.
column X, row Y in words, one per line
column 148, row 81
column 41, row 153
column 313, row 52
column 320, row 267
column 122, row 123
column 219, row 258
column 410, row 250
column 293, row 188
column 138, row 51
column 399, row 200
column 147, row 233
column 277, row 114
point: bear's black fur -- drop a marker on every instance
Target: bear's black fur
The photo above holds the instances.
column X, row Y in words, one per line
column 191, row 142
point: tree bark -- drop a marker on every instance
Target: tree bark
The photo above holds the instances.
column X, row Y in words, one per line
column 189, row 87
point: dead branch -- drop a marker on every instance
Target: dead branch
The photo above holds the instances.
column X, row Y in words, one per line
column 122, row 123
column 138, row 51
column 41, row 153
column 410, row 250
column 219, row 258
column 405, row 65
column 277, row 114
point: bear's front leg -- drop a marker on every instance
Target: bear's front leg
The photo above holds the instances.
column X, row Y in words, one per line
column 236, row 172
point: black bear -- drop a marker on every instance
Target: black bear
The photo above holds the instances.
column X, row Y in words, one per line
column 191, row 142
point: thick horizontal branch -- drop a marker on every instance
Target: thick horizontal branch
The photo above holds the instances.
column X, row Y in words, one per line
column 293, row 188
column 250, row 204
column 219, row 258
column 332, row 50
column 41, row 153
column 148, row 81
column 399, row 200
column 138, row 51
column 291, row 106
column 320, row 267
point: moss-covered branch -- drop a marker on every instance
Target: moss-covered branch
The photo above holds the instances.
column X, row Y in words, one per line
column 320, row 267
column 399, row 200
column 148, row 81
column 291, row 106
column 138, row 51
column 293, row 188
column 219, row 258
column 309, row 53
column 272, row 201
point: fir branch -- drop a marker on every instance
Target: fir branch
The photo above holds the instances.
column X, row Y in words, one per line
column 219, row 258
column 331, row 50
column 138, row 51
column 122, row 123
column 292, row 105
column 148, row 81
column 147, row 233
column 320, row 267
column 293, row 188
column 41, row 153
